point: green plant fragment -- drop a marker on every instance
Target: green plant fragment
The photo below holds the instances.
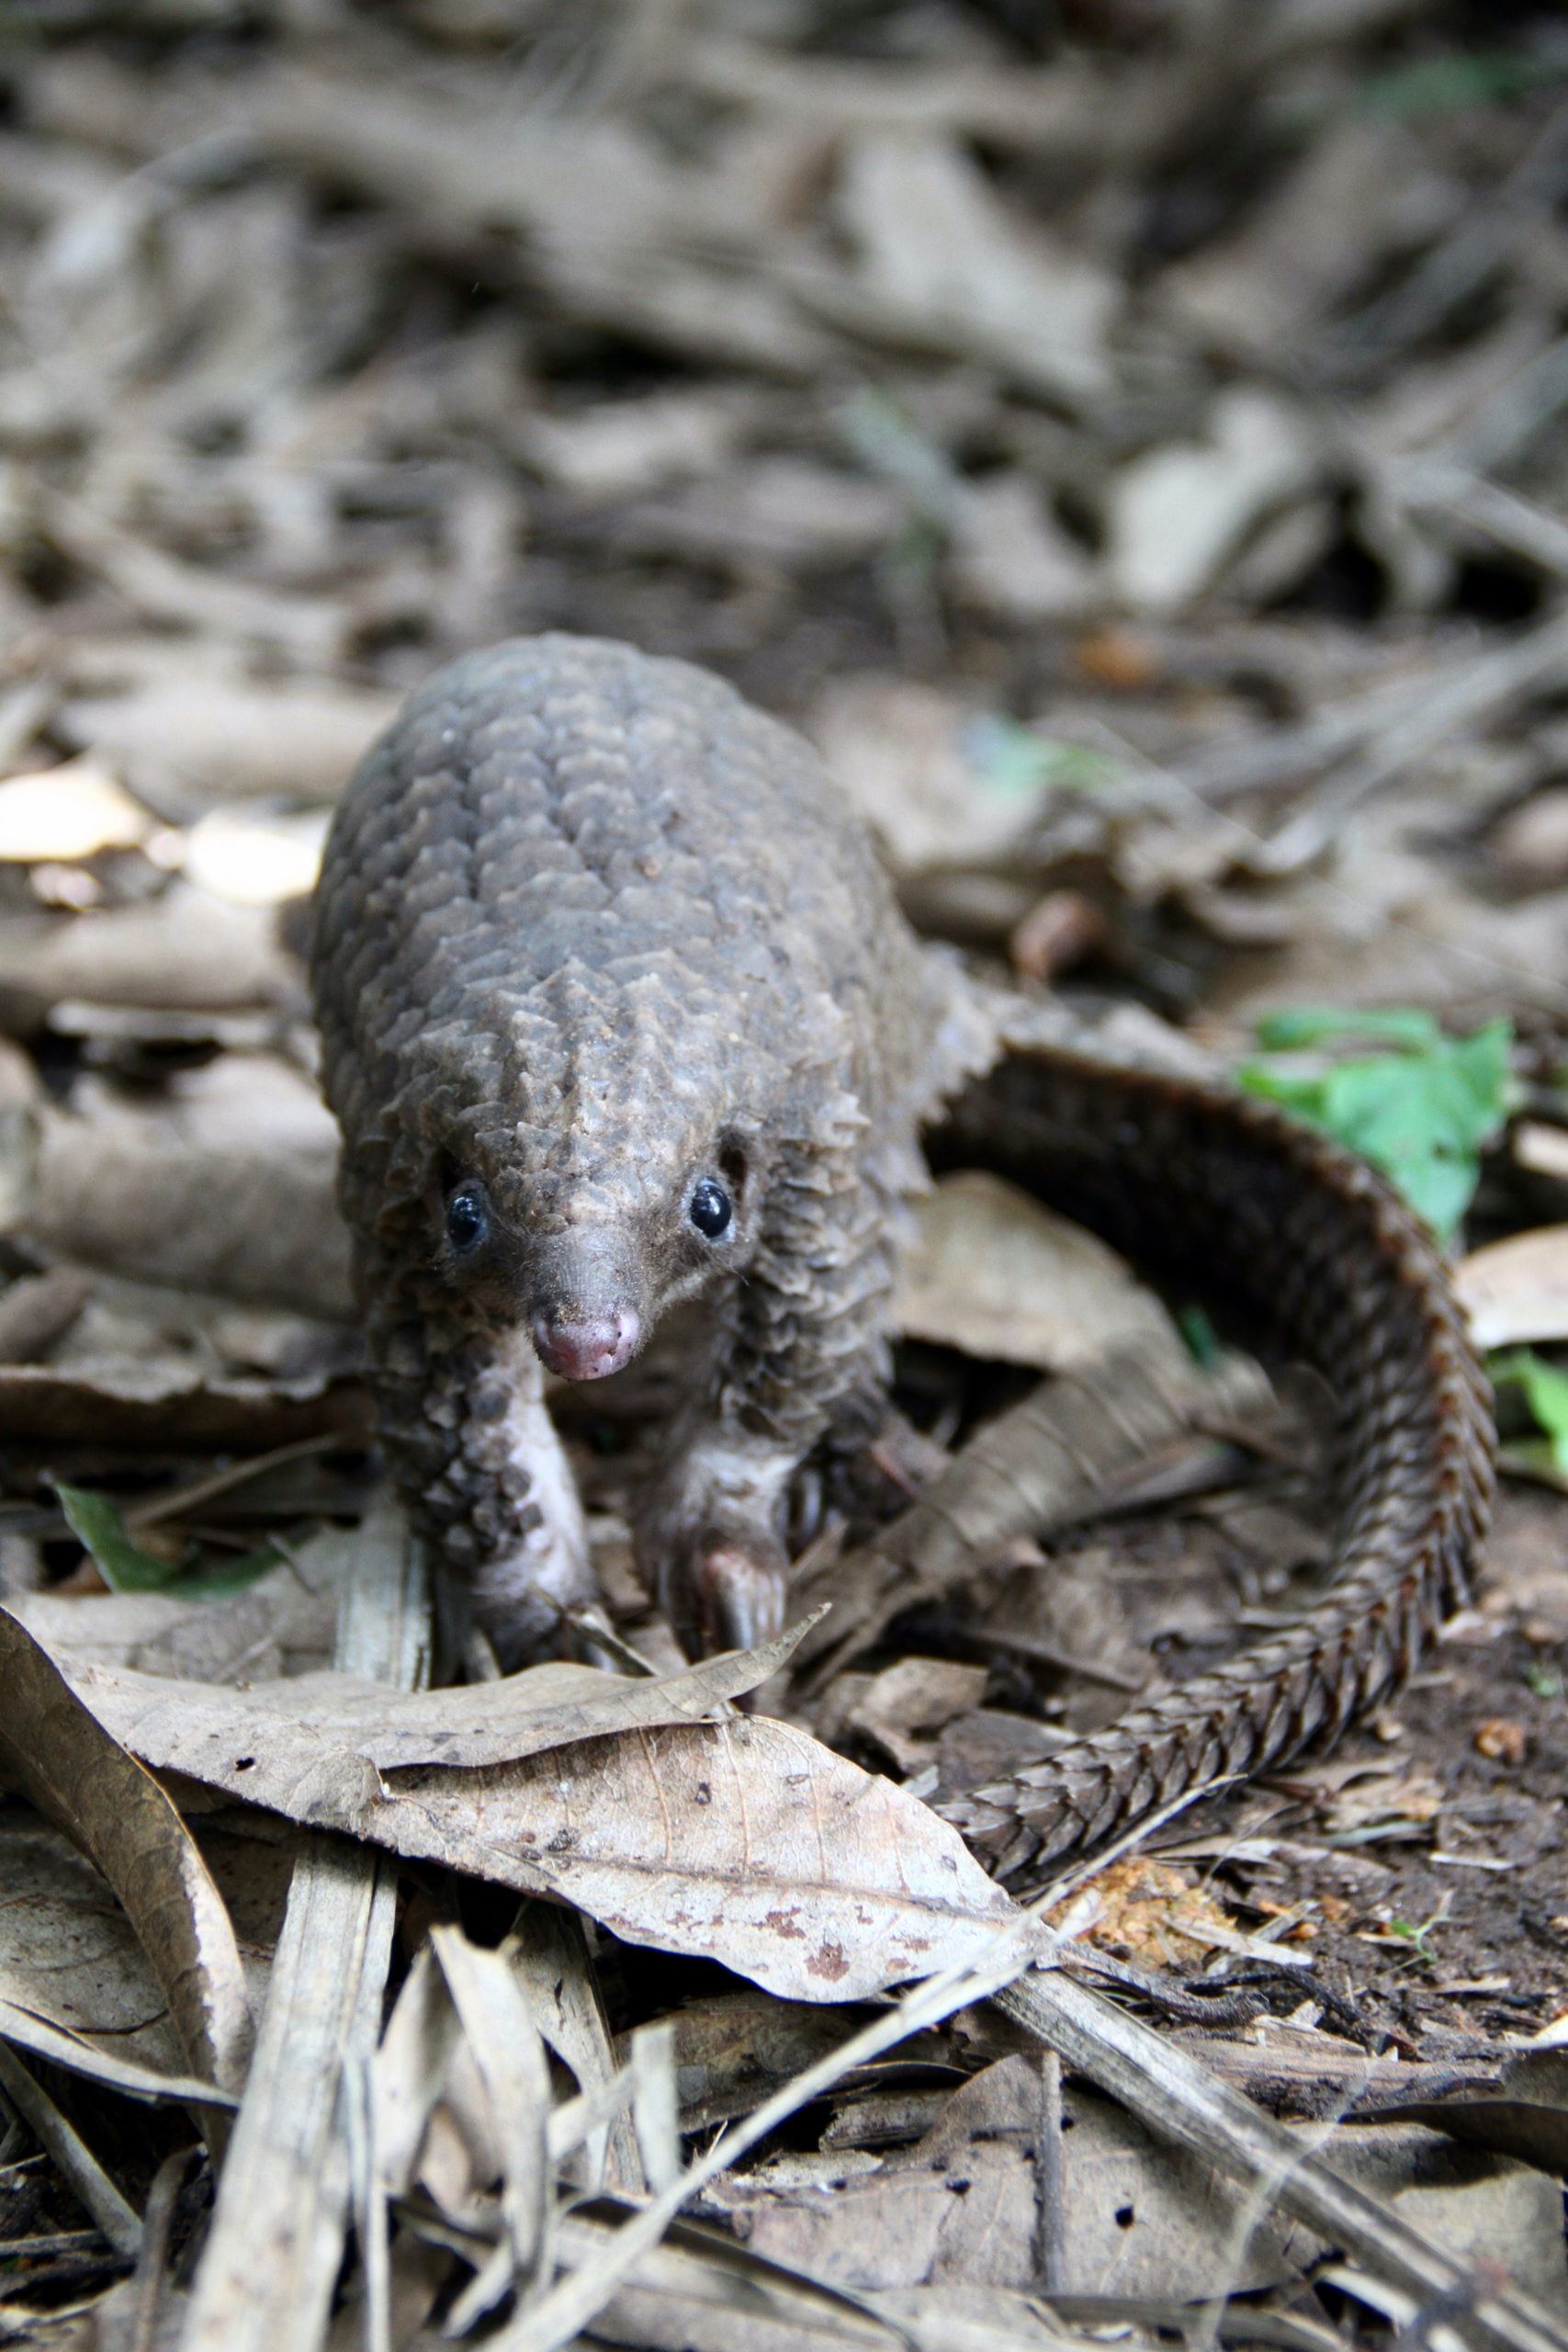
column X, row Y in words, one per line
column 1545, row 1392
column 1420, row 1113
column 96, row 1522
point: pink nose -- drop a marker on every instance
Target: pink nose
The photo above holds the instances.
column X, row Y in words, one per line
column 587, row 1349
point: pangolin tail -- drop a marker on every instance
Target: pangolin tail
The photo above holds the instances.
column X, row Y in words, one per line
column 1252, row 1200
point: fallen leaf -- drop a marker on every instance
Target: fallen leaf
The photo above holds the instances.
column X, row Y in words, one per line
column 961, row 2205
column 1149, row 1911
column 1175, row 514
column 945, row 264
column 182, row 949
column 918, row 1695
column 1539, row 1148
column 169, row 1402
column 995, row 1273
column 67, row 812
column 1501, row 1739
column 1532, row 840
column 253, row 1224
column 1010, row 558
column 27, row 2023
column 744, row 1840
column 82, row 1779
column 69, row 1952
column 188, row 742
column 794, row 512
column 282, row 1625
column 615, row 450
column 254, row 861
column 900, row 752
column 340, row 1722
column 1478, row 2205
column 1517, row 1290
column 1315, row 237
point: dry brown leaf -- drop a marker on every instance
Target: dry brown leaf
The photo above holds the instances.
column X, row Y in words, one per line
column 68, row 1953
column 188, row 742
column 961, row 2204
column 39, row 1309
column 791, row 512
column 281, row 1625
column 993, row 1272
column 183, row 949
column 1010, row 558
column 1368, row 1800
column 1176, row 512
column 744, row 1839
column 624, row 448
column 1148, row 1911
column 82, row 1780
column 1350, row 197
column 946, row 265
column 67, row 812
column 1532, row 840
column 917, row 1695
column 1516, row 1289
column 897, row 748
column 254, row 1225
column 255, row 860
column 27, row 2023
column 342, row 1723
column 168, row 1402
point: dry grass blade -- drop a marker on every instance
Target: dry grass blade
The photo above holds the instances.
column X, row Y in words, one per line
column 994, row 1960
column 45, row 2039
column 1029, row 1471
column 266, row 2275
column 656, row 2105
column 513, row 2067
column 549, row 1952
column 102, row 1799
column 706, row 2293
column 81, row 2167
column 408, row 2069
column 1473, row 693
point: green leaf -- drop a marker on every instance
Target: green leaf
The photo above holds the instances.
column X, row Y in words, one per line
column 1420, row 1113
column 1545, row 1392
column 1200, row 1337
column 1455, row 81
column 1310, row 1025
column 123, row 1566
column 95, row 1520
column 1013, row 760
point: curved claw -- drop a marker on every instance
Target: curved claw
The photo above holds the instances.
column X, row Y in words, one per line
column 740, row 1599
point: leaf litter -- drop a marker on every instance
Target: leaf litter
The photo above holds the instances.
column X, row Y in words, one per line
column 1131, row 445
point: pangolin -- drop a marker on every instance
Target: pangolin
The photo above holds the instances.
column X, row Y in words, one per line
column 617, row 1009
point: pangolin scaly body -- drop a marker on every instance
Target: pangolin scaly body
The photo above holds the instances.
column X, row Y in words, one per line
column 617, row 1009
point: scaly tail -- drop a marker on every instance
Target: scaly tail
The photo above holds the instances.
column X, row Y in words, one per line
column 1264, row 1206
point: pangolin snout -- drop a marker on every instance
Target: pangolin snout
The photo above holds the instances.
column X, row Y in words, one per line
column 586, row 1346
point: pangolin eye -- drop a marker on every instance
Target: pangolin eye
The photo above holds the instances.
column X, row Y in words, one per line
column 468, row 1219
column 710, row 1211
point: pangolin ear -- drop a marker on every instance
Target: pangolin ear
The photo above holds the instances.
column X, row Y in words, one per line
column 736, row 1162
